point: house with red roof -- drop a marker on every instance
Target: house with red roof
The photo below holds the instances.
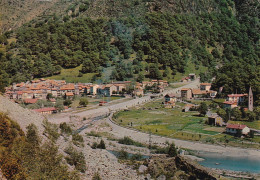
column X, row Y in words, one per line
column 30, row 101
column 239, row 98
column 230, row 104
column 234, row 100
column 169, row 100
column 69, row 95
column 46, row 110
column 237, row 129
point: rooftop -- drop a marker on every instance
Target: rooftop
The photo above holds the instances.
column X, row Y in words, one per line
column 236, row 126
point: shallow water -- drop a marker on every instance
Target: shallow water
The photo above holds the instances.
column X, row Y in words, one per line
column 245, row 164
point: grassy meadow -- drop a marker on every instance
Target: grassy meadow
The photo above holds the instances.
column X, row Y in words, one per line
column 71, row 75
column 174, row 123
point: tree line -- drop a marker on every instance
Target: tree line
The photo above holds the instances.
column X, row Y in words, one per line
column 156, row 45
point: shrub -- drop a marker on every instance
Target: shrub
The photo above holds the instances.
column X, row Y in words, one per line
column 51, row 130
column 172, row 152
column 128, row 141
column 137, row 157
column 123, row 155
column 65, row 128
column 83, row 102
column 80, row 74
column 101, row 145
column 77, row 137
column 76, row 158
column 67, row 102
column 94, row 145
column 92, row 133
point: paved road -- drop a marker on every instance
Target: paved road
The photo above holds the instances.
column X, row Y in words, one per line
column 103, row 110
column 120, row 132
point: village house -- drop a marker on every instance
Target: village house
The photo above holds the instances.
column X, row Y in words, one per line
column 93, row 89
column 230, row 104
column 138, row 92
column 30, row 101
column 169, row 100
column 205, row 86
column 107, row 90
column 234, row 100
column 216, row 120
column 69, row 95
column 239, row 98
column 186, row 93
column 237, row 129
column 187, row 107
column 197, row 93
column 46, row 110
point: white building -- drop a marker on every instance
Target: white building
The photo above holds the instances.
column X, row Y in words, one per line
column 235, row 128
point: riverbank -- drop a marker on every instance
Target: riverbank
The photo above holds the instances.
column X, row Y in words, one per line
column 227, row 166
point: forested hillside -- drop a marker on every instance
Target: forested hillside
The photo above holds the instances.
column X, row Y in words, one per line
column 151, row 39
column 26, row 157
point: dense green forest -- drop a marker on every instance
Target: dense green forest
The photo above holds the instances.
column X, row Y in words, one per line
column 155, row 45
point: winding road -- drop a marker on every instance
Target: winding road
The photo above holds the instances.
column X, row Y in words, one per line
column 120, row 132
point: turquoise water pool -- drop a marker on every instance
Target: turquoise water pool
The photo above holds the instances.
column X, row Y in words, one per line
column 245, row 164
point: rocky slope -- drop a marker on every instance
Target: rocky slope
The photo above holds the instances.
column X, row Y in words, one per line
column 22, row 116
column 14, row 13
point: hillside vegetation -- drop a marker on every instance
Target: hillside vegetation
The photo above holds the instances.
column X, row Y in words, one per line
column 26, row 157
column 141, row 39
column 15, row 13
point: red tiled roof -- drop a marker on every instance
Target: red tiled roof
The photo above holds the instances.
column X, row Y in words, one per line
column 69, row 94
column 198, row 91
column 230, row 102
column 20, row 92
column 185, row 89
column 236, row 126
column 205, row 84
column 46, row 109
column 237, row 95
column 30, row 101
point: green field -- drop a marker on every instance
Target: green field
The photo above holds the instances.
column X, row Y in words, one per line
column 154, row 118
column 71, row 75
column 168, row 122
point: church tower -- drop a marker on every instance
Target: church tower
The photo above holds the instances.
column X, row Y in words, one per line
column 250, row 100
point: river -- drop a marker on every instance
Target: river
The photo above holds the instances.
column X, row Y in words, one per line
column 239, row 163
